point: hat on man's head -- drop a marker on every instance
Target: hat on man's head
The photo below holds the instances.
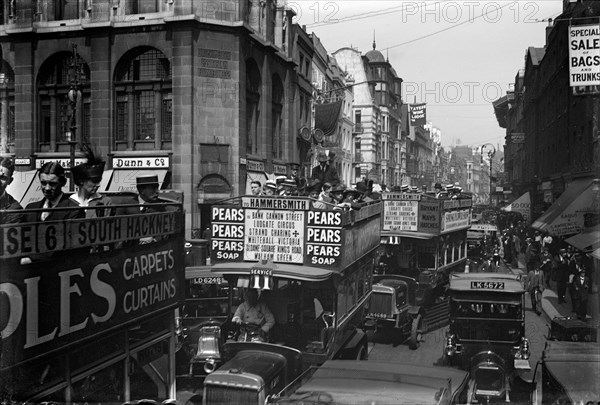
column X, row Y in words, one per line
column 289, row 183
column 405, row 187
column 361, row 187
column 340, row 188
column 280, row 179
column 314, row 185
column 271, row 184
column 294, row 166
column 438, row 185
column 351, row 190
column 449, row 187
column 148, row 180
column 562, row 251
column 322, row 157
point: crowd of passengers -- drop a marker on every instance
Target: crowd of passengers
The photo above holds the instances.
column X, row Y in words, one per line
column 56, row 205
column 324, row 186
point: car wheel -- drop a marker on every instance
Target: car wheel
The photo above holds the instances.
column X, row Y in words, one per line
column 416, row 333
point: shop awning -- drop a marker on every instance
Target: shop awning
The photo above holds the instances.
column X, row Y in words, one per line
column 587, row 240
column 566, row 215
column 22, row 182
column 124, row 179
column 596, row 254
column 521, row 205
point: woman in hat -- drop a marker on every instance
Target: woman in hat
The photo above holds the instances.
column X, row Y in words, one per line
column 87, row 177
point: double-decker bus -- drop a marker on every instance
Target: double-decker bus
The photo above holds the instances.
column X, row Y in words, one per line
column 313, row 268
column 87, row 312
column 427, row 240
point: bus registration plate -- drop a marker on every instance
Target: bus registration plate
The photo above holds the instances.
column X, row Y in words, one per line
column 207, row 280
column 487, row 285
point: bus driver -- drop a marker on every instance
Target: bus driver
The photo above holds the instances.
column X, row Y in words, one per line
column 255, row 312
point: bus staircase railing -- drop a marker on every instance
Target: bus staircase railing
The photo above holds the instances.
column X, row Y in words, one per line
column 436, row 316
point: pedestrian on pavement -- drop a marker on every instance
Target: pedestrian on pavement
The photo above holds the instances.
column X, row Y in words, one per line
column 516, row 242
column 547, row 265
column 531, row 254
column 488, row 266
column 7, row 202
column 562, row 271
column 535, row 281
column 581, row 289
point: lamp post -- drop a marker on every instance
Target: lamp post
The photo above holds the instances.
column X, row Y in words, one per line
column 73, row 95
column 491, row 152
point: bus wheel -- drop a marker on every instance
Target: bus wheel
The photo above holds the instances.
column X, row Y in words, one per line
column 416, row 333
column 362, row 353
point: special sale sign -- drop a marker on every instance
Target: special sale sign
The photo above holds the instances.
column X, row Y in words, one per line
column 584, row 55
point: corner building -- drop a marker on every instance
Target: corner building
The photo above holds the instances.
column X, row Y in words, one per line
column 197, row 92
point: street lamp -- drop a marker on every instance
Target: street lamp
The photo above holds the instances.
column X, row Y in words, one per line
column 491, row 152
column 73, row 95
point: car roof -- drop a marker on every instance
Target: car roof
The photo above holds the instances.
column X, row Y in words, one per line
column 374, row 382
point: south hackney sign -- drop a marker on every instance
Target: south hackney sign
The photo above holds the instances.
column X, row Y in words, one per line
column 50, row 304
column 287, row 232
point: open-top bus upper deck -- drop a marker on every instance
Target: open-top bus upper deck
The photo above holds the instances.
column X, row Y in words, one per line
column 303, row 242
column 422, row 216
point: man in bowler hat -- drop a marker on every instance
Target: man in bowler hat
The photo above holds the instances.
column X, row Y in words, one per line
column 325, row 172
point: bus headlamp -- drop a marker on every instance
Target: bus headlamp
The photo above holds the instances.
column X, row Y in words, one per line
column 210, row 365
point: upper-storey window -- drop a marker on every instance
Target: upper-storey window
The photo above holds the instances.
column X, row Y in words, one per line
column 60, row 10
column 58, row 116
column 143, row 97
column 253, row 94
column 277, row 117
column 7, row 108
column 140, row 6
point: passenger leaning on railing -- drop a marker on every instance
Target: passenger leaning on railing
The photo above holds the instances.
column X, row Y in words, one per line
column 52, row 179
column 7, row 202
column 148, row 200
column 87, row 177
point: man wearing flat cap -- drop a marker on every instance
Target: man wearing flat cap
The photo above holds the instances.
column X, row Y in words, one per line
column 325, row 172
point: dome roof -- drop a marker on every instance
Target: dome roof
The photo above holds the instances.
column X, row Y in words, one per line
column 375, row 56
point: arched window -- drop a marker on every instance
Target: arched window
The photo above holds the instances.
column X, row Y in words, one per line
column 253, row 86
column 7, row 108
column 277, row 117
column 143, row 97
column 57, row 76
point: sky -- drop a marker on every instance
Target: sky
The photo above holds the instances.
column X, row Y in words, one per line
column 456, row 56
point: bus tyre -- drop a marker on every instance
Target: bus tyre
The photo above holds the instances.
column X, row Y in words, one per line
column 362, row 353
column 416, row 333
